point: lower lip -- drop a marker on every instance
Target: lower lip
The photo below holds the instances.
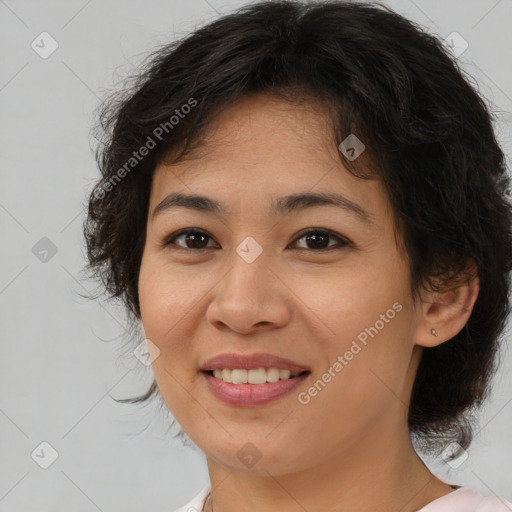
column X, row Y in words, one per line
column 250, row 395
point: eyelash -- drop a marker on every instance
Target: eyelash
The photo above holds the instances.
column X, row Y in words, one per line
column 170, row 240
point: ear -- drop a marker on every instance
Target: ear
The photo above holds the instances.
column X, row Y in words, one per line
column 447, row 312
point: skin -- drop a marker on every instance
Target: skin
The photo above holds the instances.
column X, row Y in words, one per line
column 349, row 448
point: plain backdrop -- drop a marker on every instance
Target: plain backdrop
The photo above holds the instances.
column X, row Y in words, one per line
column 60, row 362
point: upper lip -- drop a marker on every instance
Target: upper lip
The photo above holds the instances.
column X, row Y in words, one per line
column 251, row 362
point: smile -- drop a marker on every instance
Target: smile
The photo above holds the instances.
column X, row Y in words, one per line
column 257, row 376
column 248, row 380
column 251, row 395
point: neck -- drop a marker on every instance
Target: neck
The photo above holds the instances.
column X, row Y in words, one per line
column 371, row 481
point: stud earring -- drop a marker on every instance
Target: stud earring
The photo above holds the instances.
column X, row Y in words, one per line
column 434, row 332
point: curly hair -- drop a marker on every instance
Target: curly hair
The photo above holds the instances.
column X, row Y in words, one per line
column 428, row 131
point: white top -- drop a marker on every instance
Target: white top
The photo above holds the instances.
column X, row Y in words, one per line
column 462, row 499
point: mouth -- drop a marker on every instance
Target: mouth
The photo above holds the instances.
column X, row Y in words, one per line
column 257, row 368
column 251, row 380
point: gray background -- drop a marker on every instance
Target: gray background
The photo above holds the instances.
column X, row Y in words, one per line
column 61, row 355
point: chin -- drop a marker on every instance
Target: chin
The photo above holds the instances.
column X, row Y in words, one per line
column 246, row 454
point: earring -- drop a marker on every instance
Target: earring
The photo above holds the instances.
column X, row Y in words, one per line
column 434, row 332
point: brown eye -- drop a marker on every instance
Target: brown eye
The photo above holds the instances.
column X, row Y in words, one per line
column 318, row 239
column 192, row 239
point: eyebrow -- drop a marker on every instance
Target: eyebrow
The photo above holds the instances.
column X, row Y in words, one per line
column 279, row 206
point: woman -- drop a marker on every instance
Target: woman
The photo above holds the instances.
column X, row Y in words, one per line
column 304, row 205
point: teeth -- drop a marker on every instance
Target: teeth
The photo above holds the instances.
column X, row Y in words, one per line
column 238, row 376
column 259, row 376
column 273, row 375
column 284, row 374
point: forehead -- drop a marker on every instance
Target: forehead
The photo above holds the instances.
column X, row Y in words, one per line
column 261, row 120
column 263, row 147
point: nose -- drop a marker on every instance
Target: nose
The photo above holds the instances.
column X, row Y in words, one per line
column 251, row 297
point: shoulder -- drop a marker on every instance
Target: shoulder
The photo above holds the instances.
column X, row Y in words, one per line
column 196, row 504
column 494, row 504
column 465, row 499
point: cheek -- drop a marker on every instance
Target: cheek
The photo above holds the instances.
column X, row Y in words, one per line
column 346, row 301
column 164, row 294
column 362, row 321
column 362, row 382
column 164, row 306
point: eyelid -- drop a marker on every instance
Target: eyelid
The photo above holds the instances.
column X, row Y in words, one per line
column 169, row 240
column 342, row 241
column 326, row 231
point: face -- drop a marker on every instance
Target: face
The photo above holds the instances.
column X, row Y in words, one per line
column 323, row 286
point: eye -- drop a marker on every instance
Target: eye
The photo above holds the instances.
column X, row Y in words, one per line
column 318, row 237
column 195, row 239
column 193, row 236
